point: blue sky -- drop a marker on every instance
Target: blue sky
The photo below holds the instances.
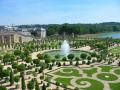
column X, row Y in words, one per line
column 58, row 11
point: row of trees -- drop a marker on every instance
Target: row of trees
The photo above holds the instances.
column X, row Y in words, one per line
column 76, row 28
column 82, row 28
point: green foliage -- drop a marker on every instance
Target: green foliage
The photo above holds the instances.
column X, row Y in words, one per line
column 40, row 56
column 64, row 59
column 57, row 84
column 6, row 73
column 22, row 56
column 31, row 84
column 11, row 78
column 89, row 57
column 17, row 52
column 47, row 60
column 6, row 58
column 1, row 67
column 1, row 70
column 23, row 86
column 3, row 88
column 42, row 77
column 26, row 52
column 12, row 57
column 53, row 29
column 86, row 28
column 48, row 78
column 44, row 87
column 16, row 78
column 83, row 55
column 88, row 63
column 44, row 65
column 93, row 54
column 14, row 65
column 77, row 58
column 70, row 56
column 21, row 67
column 28, row 59
column 37, row 62
column 41, row 69
column 77, row 63
column 59, row 64
column 46, row 56
column 57, row 56
column 37, row 85
column 50, row 67
column 1, row 57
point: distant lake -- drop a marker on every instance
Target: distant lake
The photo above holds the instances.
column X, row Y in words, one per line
column 104, row 35
column 110, row 34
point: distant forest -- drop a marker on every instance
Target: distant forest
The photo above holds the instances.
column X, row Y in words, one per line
column 78, row 29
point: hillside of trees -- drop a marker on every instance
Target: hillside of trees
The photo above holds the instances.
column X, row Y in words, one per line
column 77, row 28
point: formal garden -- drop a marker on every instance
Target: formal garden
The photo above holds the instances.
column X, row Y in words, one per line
column 86, row 78
column 39, row 65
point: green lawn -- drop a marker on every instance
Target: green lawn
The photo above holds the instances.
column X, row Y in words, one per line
column 117, row 71
column 106, row 68
column 90, row 72
column 68, row 72
column 95, row 85
column 63, row 81
column 107, row 76
column 115, row 50
column 115, row 86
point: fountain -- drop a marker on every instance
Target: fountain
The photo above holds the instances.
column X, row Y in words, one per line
column 65, row 48
column 64, row 51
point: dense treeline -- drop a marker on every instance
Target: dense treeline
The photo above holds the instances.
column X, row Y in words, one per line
column 77, row 28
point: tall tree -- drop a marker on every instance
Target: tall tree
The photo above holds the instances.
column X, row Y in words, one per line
column 30, row 84
column 16, row 79
column 64, row 59
column 11, row 78
column 1, row 71
column 44, row 87
column 23, row 86
column 71, row 56
column 37, row 85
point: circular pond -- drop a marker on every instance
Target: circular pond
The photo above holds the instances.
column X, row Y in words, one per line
column 76, row 53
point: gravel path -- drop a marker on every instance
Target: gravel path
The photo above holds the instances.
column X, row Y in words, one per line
column 85, row 83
